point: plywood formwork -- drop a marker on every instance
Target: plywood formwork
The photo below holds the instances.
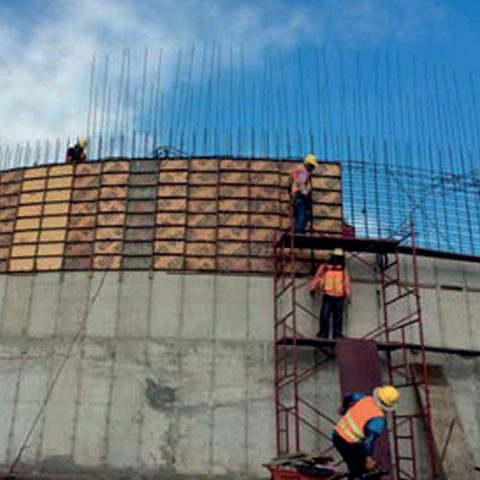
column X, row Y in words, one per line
column 199, row 214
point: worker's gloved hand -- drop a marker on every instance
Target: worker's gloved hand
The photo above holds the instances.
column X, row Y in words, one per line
column 312, row 293
column 370, row 464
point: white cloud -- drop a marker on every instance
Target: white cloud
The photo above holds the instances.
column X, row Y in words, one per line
column 44, row 77
column 45, row 66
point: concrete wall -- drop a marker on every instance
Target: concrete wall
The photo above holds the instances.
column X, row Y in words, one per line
column 173, row 373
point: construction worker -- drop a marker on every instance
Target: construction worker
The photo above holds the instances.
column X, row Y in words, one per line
column 363, row 421
column 78, row 152
column 301, row 193
column 333, row 280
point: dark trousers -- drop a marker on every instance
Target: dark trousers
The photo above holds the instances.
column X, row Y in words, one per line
column 302, row 212
column 331, row 306
column 353, row 454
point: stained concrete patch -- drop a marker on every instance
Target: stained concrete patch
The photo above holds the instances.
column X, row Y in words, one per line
column 159, row 397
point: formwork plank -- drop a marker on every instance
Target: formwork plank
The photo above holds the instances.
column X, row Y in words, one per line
column 359, row 371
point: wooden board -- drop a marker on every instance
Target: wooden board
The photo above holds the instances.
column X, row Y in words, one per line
column 448, row 431
column 197, row 214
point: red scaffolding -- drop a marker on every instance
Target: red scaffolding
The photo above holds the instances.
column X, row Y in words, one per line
column 398, row 334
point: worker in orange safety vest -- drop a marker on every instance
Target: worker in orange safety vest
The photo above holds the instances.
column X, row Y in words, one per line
column 333, row 280
column 362, row 423
column 301, row 193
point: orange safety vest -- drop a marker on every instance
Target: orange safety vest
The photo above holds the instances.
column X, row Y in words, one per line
column 351, row 426
column 332, row 280
column 301, row 180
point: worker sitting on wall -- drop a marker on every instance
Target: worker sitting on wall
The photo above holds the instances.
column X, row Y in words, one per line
column 362, row 424
column 78, row 152
column 301, row 193
column 333, row 280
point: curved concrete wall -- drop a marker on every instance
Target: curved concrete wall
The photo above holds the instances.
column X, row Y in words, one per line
column 174, row 373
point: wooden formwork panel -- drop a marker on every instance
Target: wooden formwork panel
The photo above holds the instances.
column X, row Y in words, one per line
column 169, row 233
column 25, row 199
column 198, row 263
column 169, row 178
column 5, row 239
column 24, row 224
column 139, row 234
column 205, row 165
column 59, row 221
column 8, row 214
column 86, row 182
column 82, row 221
column 201, row 249
column 107, row 262
column 240, row 178
column 194, row 214
column 23, row 211
column 174, row 164
column 81, row 235
column 78, row 249
column 77, row 263
column 21, row 251
column 113, row 193
column 108, row 247
column 111, row 219
column 143, row 179
column 21, row 265
column 169, row 247
column 7, row 226
column 50, row 249
column 8, row 201
column 26, row 237
column 169, row 262
column 53, row 235
column 116, row 166
column 233, row 233
column 49, row 263
column 168, row 191
column 142, row 206
column 202, row 178
column 202, row 220
column 85, row 195
column 171, row 205
column 201, row 234
column 39, row 172
column 26, row 186
column 83, row 208
column 56, row 183
column 88, row 169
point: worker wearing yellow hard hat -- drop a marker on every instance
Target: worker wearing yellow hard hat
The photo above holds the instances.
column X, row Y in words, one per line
column 362, row 423
column 333, row 281
column 301, row 193
column 78, row 152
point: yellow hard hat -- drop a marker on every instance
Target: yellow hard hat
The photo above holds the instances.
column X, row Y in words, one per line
column 82, row 142
column 386, row 397
column 310, row 159
column 337, row 252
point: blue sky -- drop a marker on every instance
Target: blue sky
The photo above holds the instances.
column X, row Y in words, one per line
column 46, row 46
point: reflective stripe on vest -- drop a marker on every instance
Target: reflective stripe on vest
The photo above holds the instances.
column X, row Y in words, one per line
column 351, row 426
column 334, row 282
